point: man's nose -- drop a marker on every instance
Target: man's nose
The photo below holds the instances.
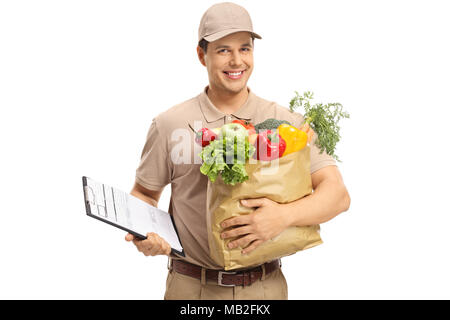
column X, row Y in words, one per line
column 236, row 58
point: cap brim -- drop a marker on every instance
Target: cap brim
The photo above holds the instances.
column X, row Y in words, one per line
column 224, row 33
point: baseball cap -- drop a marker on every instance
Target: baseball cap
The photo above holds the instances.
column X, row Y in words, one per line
column 223, row 19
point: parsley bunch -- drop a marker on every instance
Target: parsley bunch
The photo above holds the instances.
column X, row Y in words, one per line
column 323, row 119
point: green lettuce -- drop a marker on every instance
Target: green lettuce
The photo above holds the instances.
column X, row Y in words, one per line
column 226, row 157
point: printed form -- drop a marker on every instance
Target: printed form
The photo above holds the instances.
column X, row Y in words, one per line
column 122, row 209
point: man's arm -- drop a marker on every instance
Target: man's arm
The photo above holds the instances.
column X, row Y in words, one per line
column 154, row 245
column 147, row 195
column 330, row 197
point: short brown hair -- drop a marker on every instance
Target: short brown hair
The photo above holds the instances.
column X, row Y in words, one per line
column 203, row 44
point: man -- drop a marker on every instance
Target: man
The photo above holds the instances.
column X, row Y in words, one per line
column 226, row 44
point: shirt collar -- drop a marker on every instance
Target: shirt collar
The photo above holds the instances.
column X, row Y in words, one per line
column 212, row 114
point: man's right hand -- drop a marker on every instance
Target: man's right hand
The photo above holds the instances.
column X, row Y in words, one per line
column 152, row 246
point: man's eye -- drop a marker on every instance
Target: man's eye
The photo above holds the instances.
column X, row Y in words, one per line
column 226, row 50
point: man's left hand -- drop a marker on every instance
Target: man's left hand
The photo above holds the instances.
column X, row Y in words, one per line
column 266, row 222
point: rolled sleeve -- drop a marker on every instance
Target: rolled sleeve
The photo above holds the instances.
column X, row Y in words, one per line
column 154, row 171
column 319, row 160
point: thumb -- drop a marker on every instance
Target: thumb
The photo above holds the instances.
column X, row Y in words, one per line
column 251, row 203
column 129, row 237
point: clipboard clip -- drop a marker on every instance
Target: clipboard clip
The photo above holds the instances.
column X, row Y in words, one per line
column 86, row 195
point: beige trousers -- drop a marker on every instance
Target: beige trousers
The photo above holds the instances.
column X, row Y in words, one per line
column 181, row 287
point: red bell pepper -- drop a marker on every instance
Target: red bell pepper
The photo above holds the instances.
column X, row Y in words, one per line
column 269, row 146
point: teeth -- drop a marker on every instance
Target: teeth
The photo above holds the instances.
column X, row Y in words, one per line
column 234, row 74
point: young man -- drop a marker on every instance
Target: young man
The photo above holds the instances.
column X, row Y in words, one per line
column 226, row 44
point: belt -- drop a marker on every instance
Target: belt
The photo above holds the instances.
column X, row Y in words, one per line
column 226, row 278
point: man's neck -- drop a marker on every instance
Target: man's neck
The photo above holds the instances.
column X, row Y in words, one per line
column 228, row 103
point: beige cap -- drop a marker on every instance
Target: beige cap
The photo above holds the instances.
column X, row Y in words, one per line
column 223, row 19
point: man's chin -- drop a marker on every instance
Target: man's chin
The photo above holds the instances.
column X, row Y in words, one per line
column 235, row 89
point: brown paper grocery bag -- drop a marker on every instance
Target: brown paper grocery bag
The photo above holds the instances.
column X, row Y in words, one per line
column 283, row 180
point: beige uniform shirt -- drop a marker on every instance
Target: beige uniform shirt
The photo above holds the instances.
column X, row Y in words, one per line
column 170, row 155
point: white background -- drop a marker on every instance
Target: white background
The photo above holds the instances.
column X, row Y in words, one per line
column 80, row 82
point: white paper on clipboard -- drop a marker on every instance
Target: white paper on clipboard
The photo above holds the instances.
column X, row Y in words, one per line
column 129, row 213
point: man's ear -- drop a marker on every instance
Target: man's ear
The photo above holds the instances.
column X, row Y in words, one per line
column 201, row 55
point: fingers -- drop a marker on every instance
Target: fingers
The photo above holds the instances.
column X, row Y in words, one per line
column 252, row 246
column 242, row 242
column 158, row 245
column 129, row 237
column 252, row 203
column 152, row 246
column 236, row 232
column 236, row 221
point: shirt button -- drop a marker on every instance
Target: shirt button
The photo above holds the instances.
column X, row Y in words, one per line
column 229, row 118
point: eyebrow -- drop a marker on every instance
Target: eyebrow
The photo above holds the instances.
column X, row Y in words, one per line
column 228, row 47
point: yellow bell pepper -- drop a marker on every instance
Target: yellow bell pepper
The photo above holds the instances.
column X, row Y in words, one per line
column 295, row 139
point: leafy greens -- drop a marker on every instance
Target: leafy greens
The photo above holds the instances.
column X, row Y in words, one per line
column 227, row 156
column 323, row 119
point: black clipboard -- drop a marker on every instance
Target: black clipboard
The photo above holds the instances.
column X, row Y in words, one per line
column 133, row 232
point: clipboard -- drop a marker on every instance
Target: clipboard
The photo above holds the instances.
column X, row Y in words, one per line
column 126, row 212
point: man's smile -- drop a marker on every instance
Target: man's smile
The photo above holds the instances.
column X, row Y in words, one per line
column 234, row 74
